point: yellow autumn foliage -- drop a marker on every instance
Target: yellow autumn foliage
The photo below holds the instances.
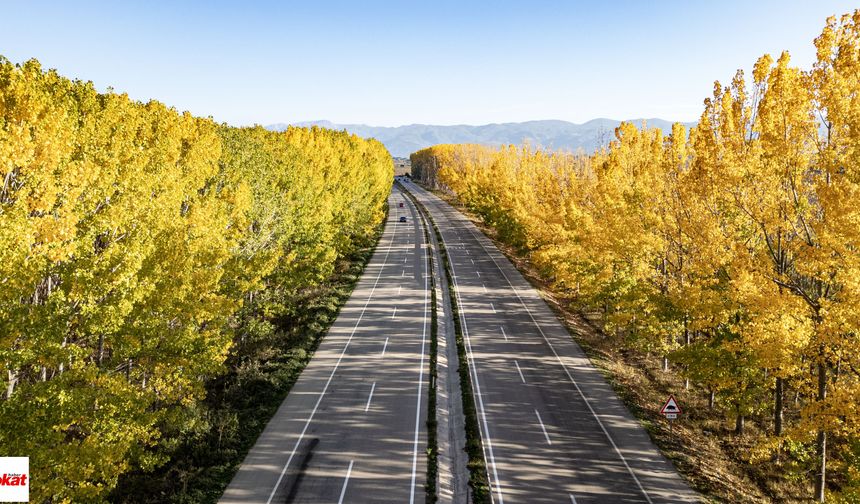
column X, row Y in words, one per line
column 130, row 235
column 733, row 250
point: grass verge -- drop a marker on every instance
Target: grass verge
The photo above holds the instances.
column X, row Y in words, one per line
column 432, row 440
column 478, row 480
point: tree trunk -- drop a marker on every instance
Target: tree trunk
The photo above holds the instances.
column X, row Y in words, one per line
column 778, row 407
column 62, row 366
column 10, row 386
column 821, row 442
column 712, row 398
column 665, row 364
column 688, row 338
column 740, row 421
column 101, row 351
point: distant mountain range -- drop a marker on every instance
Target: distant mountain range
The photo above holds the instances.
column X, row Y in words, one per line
column 404, row 140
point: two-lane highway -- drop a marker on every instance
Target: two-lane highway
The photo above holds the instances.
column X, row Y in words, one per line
column 553, row 430
column 353, row 428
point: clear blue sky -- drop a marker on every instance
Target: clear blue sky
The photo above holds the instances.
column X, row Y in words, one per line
column 392, row 63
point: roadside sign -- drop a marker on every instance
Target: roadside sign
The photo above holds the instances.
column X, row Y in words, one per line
column 670, row 408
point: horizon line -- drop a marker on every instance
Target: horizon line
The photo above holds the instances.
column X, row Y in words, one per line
column 334, row 123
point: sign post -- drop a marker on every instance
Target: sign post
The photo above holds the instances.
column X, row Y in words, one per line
column 670, row 410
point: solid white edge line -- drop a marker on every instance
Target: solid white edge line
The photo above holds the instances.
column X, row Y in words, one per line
column 473, row 370
column 478, row 389
column 369, row 397
column 519, row 371
column 345, row 481
column 543, row 428
column 567, row 372
column 421, row 363
column 328, row 382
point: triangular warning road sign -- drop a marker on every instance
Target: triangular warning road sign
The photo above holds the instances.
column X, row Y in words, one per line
column 671, row 406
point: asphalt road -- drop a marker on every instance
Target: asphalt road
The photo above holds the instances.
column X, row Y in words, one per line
column 553, row 429
column 353, row 428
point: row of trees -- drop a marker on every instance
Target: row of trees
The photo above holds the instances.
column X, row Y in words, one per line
column 130, row 236
column 732, row 249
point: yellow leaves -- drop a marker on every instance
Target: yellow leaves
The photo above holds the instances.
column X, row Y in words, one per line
column 762, row 68
column 746, row 235
column 778, row 335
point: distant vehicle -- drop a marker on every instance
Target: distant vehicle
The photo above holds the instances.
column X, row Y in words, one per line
column 402, row 218
column 401, row 205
